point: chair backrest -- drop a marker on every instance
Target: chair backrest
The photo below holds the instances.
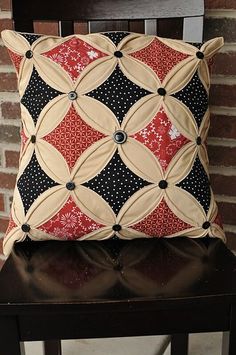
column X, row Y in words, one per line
column 104, row 15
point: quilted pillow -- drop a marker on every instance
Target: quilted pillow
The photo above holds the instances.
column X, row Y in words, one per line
column 113, row 134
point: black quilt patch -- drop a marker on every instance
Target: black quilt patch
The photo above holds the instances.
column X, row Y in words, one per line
column 33, row 182
column 116, row 37
column 37, row 95
column 116, row 183
column 197, row 184
column 195, row 97
column 31, row 38
column 118, row 93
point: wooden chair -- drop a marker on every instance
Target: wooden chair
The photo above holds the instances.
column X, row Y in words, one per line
column 116, row 288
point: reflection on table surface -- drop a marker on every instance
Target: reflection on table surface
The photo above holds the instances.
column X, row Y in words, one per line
column 117, row 269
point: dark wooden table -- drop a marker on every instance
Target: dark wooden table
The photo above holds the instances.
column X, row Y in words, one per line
column 65, row 290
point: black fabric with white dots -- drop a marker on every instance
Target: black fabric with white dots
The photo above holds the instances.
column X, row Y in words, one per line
column 116, row 37
column 118, row 93
column 197, row 184
column 116, row 183
column 33, row 182
column 37, row 95
column 31, row 38
column 195, row 97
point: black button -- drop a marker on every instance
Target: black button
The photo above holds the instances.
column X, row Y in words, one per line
column 33, row 139
column 163, row 184
column 199, row 140
column 161, row 91
column 118, row 54
column 70, row 185
column 25, row 228
column 116, row 227
column 72, row 95
column 120, row 137
column 206, row 225
column 29, row 54
column 200, row 55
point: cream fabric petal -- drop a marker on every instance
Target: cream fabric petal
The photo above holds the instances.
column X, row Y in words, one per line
column 27, row 121
column 100, row 42
column 97, row 115
column 97, row 208
column 39, row 235
column 180, row 75
column 140, row 74
column 181, row 117
column 178, row 45
column 185, row 206
column 52, row 115
column 15, row 235
column 212, row 46
column 93, row 160
column 46, row 43
column 52, row 162
column 181, row 163
column 25, row 157
column 216, row 232
column 129, row 233
column 205, row 125
column 17, row 210
column 213, row 209
column 48, row 71
column 139, row 205
column 95, row 74
column 203, row 156
column 135, row 42
column 47, row 205
column 141, row 113
column 195, row 233
column 24, row 75
column 15, row 42
column 203, row 73
column 100, row 234
column 138, row 158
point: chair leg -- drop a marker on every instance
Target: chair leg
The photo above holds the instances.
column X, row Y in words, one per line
column 179, row 344
column 52, row 347
column 9, row 336
column 22, row 348
column 229, row 338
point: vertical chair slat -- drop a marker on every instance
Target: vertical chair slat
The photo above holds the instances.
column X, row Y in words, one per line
column 193, row 29
column 150, row 27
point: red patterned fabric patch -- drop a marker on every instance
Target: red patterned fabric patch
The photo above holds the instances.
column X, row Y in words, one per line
column 74, row 55
column 162, row 138
column 161, row 222
column 70, row 223
column 11, row 224
column 24, row 139
column 16, row 59
column 159, row 57
column 72, row 137
column 218, row 221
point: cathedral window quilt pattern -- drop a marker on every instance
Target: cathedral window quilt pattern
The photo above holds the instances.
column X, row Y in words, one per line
column 114, row 129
